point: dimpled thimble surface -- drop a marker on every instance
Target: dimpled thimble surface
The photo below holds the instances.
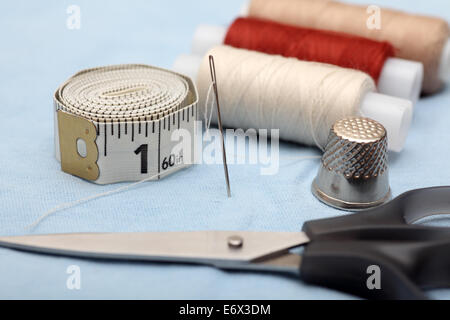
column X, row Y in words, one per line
column 353, row 174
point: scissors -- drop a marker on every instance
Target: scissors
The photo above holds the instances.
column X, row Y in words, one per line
column 337, row 252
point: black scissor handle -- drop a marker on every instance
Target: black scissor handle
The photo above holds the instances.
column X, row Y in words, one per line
column 391, row 221
column 404, row 267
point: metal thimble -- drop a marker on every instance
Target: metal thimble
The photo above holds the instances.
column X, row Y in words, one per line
column 353, row 174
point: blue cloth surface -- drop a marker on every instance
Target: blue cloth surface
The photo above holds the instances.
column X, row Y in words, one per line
column 39, row 52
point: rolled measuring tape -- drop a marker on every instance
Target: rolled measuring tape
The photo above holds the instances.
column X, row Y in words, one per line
column 124, row 123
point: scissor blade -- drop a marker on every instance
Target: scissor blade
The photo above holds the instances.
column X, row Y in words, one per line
column 204, row 247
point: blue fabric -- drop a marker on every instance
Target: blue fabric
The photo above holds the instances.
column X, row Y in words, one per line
column 39, row 52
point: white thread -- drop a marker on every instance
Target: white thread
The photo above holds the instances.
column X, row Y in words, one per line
column 302, row 99
column 233, row 155
column 68, row 205
column 208, row 119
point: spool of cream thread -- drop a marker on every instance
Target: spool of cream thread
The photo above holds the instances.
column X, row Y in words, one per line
column 434, row 71
column 394, row 113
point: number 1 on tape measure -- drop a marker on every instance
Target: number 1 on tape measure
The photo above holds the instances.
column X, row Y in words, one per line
column 143, row 150
column 127, row 152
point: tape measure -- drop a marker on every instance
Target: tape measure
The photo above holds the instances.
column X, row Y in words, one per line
column 116, row 123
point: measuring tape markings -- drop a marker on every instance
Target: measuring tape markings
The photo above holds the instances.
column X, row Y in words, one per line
column 129, row 139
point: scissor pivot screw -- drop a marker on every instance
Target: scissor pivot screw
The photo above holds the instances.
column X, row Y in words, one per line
column 235, row 242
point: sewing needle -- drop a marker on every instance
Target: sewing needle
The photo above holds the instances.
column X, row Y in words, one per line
column 212, row 69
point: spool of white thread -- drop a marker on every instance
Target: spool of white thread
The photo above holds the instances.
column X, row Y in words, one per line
column 394, row 113
column 399, row 77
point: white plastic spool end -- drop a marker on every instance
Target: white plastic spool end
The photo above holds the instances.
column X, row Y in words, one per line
column 401, row 78
column 207, row 37
column 188, row 65
column 395, row 114
column 444, row 66
column 245, row 9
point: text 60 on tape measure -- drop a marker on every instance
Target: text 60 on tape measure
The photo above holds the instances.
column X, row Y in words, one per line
column 115, row 123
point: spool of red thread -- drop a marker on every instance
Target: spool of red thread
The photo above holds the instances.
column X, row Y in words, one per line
column 311, row 45
column 396, row 77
